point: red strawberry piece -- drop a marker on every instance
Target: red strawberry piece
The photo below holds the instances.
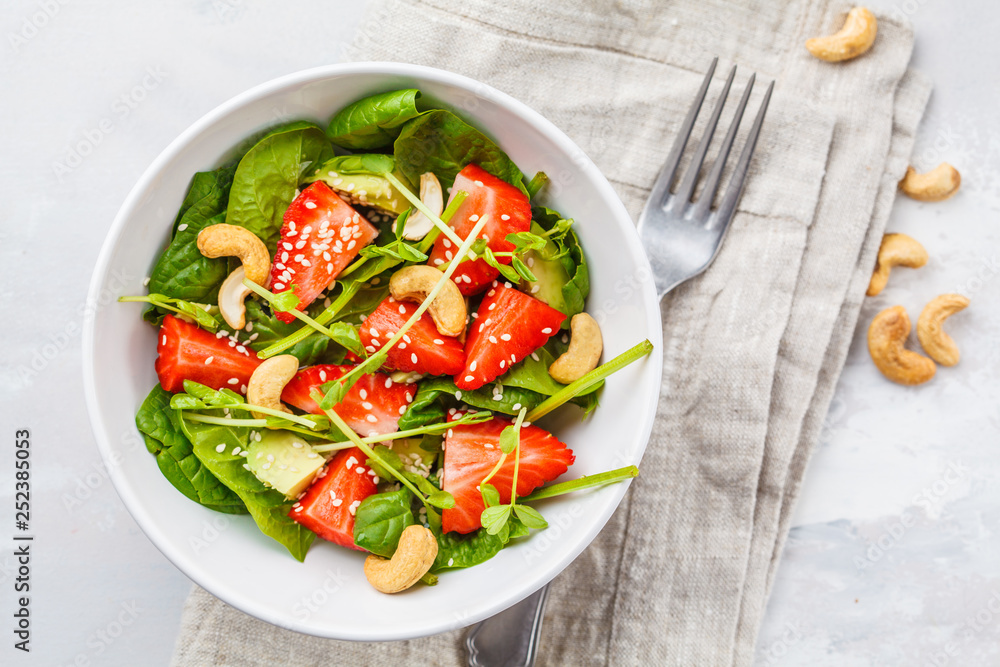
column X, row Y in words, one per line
column 188, row 352
column 372, row 406
column 509, row 326
column 329, row 505
column 422, row 349
column 509, row 212
column 320, row 236
column 472, row 451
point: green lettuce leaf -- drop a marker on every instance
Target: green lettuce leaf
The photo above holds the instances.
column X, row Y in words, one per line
column 373, row 122
column 175, row 457
column 457, row 551
column 380, row 521
column 441, row 142
column 181, row 271
column 268, row 176
column 268, row 507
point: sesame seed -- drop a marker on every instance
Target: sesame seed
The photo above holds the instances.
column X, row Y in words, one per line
column 374, row 332
column 266, row 466
column 287, row 246
column 310, row 205
column 458, row 395
column 438, row 262
column 472, row 366
column 338, row 502
column 438, row 341
column 451, row 561
column 504, row 336
column 359, row 470
column 370, row 349
column 448, row 255
column 366, row 405
column 525, row 424
column 181, row 227
column 536, row 288
column 388, row 383
column 447, row 243
column 493, row 339
column 236, row 451
column 364, row 393
column 270, row 458
column 474, row 218
column 535, row 357
column 371, row 418
column 492, row 306
column 479, row 183
column 220, row 448
column 145, row 281
column 322, row 375
column 469, row 378
column 402, row 310
column 164, row 339
column 547, row 330
column 517, row 406
column 503, row 363
column 402, row 409
column 208, row 360
column 279, row 286
column 401, row 345
column 504, row 216
column 296, row 444
column 351, row 462
column 234, row 380
column 409, row 397
column 413, row 357
column 241, row 349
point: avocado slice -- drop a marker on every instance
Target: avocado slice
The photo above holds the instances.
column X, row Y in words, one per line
column 367, row 190
column 415, row 457
column 284, row 461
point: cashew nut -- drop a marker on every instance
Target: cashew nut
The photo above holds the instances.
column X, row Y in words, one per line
column 886, row 335
column 224, row 240
column 896, row 250
column 269, row 380
column 851, row 41
column 938, row 345
column 413, row 559
column 585, row 347
column 418, row 224
column 415, row 282
column 232, row 294
column 938, row 184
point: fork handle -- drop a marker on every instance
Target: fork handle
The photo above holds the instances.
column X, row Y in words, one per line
column 510, row 638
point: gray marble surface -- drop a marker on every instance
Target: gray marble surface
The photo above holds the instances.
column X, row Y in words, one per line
column 892, row 559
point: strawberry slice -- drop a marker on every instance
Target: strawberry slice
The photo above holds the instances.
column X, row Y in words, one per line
column 372, row 406
column 422, row 349
column 320, row 236
column 188, row 352
column 509, row 326
column 509, row 212
column 472, row 451
column 329, row 505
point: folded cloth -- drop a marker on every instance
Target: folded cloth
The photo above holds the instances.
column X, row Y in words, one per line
column 752, row 348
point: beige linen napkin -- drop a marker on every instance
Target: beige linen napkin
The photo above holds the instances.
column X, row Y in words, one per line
column 752, row 348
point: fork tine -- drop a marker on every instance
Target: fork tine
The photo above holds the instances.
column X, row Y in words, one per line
column 661, row 187
column 686, row 188
column 712, row 182
column 736, row 183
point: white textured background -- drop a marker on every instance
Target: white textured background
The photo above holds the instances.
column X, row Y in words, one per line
column 893, row 559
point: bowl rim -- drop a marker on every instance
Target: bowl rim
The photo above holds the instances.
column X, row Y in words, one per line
column 530, row 584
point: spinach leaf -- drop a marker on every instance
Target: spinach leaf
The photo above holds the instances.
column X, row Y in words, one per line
column 380, row 521
column 373, row 122
column 181, row 271
column 435, row 394
column 175, row 457
column 268, row 507
column 268, row 177
column 270, row 329
column 441, row 142
column 458, row 551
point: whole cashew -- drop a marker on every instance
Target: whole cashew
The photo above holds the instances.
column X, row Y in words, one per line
column 585, row 347
column 413, row 559
column 418, row 224
column 886, row 335
column 856, row 37
column 415, row 282
column 896, row 250
column 232, row 294
column 938, row 184
column 224, row 240
column 938, row 345
column 268, row 381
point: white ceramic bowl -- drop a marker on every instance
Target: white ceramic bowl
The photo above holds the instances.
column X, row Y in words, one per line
column 328, row 595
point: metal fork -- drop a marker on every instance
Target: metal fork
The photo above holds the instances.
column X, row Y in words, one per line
column 681, row 238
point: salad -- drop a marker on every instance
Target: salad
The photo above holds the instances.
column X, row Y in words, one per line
column 358, row 328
